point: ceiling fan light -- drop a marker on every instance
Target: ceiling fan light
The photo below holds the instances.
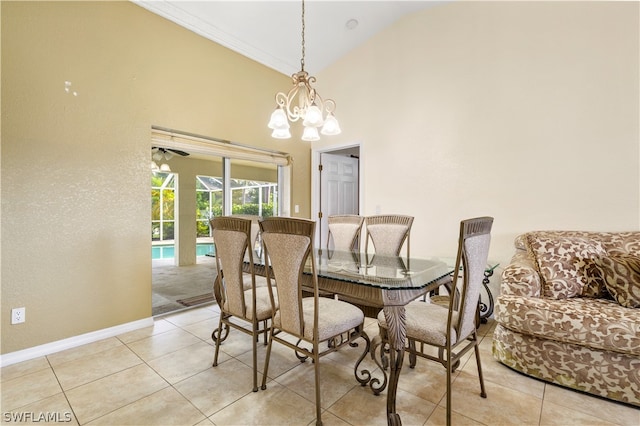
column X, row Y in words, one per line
column 331, row 126
column 313, row 117
column 157, row 156
column 164, row 167
column 278, row 120
column 154, row 166
column 281, row 133
column 310, row 134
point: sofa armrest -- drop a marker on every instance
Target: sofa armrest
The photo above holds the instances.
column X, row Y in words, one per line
column 520, row 277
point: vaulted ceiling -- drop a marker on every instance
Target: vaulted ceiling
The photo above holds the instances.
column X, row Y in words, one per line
column 270, row 32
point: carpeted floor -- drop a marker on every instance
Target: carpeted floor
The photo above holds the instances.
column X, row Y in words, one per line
column 171, row 283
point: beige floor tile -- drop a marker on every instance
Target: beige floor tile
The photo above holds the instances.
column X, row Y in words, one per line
column 23, row 368
column 159, row 326
column 165, row 407
column 28, row 389
column 162, row 344
column 360, row 406
column 503, row 404
column 554, row 414
column 191, row 316
column 276, row 405
column 184, row 363
column 439, row 417
column 203, row 329
column 335, row 381
column 282, row 359
column 83, row 351
column 217, row 387
column 428, row 380
column 604, row 409
column 496, row 372
column 236, row 343
column 110, row 393
column 95, row 366
column 54, row 409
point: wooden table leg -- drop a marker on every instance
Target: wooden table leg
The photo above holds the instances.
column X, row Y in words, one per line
column 397, row 335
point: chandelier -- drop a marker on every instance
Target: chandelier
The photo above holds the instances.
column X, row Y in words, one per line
column 303, row 102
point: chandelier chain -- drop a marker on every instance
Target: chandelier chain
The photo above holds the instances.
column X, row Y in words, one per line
column 302, row 60
column 302, row 102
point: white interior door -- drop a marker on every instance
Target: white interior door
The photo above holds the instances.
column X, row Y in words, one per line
column 338, row 188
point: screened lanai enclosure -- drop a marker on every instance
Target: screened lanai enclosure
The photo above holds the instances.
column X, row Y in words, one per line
column 247, row 197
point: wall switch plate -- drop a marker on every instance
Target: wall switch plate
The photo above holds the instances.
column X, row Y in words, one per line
column 18, row 315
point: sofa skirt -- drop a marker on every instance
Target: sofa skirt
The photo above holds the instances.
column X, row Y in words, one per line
column 607, row 374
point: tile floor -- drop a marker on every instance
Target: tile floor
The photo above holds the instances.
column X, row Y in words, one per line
column 162, row 375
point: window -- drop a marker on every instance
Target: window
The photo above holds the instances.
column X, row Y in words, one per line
column 248, row 197
column 209, row 202
column 254, row 198
column 162, row 206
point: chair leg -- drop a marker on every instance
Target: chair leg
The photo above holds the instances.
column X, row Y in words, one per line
column 412, row 353
column 266, row 361
column 218, row 340
column 264, row 327
column 483, row 393
column 316, row 360
column 256, row 336
column 449, row 374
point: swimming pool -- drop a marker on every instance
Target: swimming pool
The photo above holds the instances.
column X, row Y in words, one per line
column 167, row 251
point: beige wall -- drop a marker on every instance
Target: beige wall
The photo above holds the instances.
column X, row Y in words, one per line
column 525, row 111
column 75, row 169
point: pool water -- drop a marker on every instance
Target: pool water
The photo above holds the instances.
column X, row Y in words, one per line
column 168, row 251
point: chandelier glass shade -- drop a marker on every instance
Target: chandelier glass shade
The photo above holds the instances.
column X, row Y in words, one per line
column 304, row 103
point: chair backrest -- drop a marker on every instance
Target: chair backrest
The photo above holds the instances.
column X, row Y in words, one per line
column 345, row 231
column 388, row 233
column 255, row 230
column 231, row 237
column 473, row 250
column 288, row 243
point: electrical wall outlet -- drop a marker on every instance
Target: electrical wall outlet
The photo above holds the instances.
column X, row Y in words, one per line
column 18, row 315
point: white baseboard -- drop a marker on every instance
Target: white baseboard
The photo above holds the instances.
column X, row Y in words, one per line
column 72, row 342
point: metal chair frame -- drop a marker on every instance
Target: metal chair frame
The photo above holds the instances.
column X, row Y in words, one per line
column 290, row 264
column 473, row 248
column 233, row 257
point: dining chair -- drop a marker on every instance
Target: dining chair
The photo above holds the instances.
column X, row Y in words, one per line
column 344, row 231
column 255, row 246
column 291, row 260
column 452, row 328
column 232, row 240
column 388, row 233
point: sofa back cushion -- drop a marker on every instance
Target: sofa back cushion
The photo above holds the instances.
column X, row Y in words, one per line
column 566, row 264
column 621, row 275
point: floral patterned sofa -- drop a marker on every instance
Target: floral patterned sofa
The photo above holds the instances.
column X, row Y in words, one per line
column 569, row 311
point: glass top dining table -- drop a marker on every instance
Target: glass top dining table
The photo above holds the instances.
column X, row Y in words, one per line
column 376, row 283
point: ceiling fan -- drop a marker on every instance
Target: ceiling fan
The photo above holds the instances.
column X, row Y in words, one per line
column 158, row 153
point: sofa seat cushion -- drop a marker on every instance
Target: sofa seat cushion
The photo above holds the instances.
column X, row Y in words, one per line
column 596, row 323
column 566, row 265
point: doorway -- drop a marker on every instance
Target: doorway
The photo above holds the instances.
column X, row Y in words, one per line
column 216, row 178
column 335, row 186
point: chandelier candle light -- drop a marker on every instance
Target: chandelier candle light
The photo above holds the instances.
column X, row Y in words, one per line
column 303, row 102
